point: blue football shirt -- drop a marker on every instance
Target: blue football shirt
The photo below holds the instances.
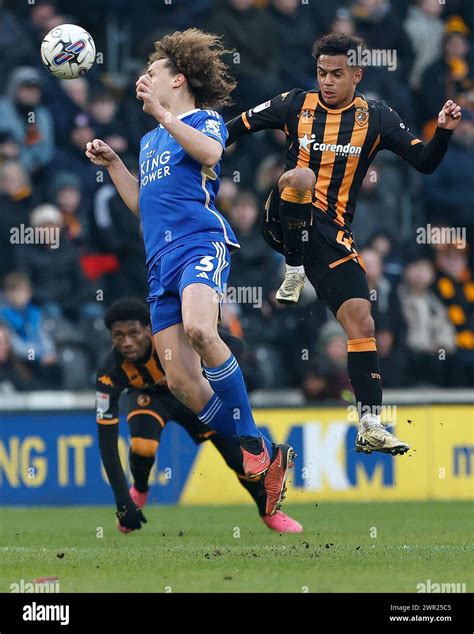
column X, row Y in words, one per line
column 177, row 193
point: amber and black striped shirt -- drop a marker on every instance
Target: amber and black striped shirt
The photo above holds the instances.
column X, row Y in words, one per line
column 117, row 374
column 338, row 145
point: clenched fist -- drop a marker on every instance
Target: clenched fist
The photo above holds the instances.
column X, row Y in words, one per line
column 100, row 153
column 146, row 91
column 450, row 115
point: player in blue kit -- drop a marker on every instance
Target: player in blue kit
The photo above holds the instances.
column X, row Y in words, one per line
column 188, row 243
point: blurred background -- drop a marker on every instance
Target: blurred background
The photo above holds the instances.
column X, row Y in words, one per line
column 52, row 300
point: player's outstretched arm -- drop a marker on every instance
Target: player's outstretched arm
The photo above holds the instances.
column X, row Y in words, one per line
column 269, row 115
column 202, row 148
column 424, row 158
column 99, row 153
column 129, row 516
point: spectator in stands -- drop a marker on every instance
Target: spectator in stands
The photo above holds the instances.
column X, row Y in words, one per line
column 103, row 109
column 381, row 28
column 425, row 29
column 383, row 243
column 430, row 334
column 66, row 102
column 449, row 191
column 327, row 378
column 343, row 23
column 227, row 192
column 71, row 158
column 56, row 20
column 136, row 122
column 379, row 190
column 323, row 15
column 390, row 328
column 16, row 46
column 296, row 36
column 256, row 61
column 16, row 203
column 271, row 154
column 14, row 375
column 30, row 341
column 9, row 148
column 240, row 161
column 41, row 13
column 322, row 383
column 66, row 195
column 78, row 92
column 117, row 234
column 455, row 287
column 30, row 123
column 251, row 264
column 59, row 286
column 448, row 78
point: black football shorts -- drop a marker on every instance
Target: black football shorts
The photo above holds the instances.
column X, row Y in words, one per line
column 331, row 261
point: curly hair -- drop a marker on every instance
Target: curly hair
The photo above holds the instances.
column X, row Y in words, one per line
column 198, row 56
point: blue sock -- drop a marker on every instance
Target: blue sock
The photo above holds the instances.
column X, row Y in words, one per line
column 228, row 383
column 219, row 418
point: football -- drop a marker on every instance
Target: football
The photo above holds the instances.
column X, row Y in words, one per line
column 68, row 51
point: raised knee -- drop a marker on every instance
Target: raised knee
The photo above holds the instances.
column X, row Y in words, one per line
column 144, row 447
column 177, row 384
column 366, row 326
column 198, row 336
column 300, row 178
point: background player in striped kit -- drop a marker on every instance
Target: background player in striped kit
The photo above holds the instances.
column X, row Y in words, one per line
column 132, row 365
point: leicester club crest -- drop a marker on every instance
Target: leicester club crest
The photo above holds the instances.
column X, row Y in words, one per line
column 362, row 116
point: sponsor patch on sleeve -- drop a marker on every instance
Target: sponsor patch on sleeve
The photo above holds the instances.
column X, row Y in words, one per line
column 102, row 404
column 262, row 106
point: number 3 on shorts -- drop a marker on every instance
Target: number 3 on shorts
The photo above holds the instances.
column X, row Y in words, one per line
column 205, row 263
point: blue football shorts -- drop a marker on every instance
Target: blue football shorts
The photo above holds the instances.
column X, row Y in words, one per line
column 200, row 263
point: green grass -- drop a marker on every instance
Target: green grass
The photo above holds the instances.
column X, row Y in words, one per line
column 193, row 549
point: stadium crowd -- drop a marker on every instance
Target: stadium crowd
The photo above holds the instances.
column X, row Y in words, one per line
column 53, row 296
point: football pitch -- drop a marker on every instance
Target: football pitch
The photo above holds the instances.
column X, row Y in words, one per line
column 345, row 547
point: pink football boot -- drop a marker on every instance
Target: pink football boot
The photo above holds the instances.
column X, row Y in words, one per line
column 275, row 477
column 254, row 464
column 281, row 523
column 138, row 498
column 122, row 529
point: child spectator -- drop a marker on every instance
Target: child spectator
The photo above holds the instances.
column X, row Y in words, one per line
column 430, row 334
column 30, row 341
column 34, row 134
column 14, row 375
